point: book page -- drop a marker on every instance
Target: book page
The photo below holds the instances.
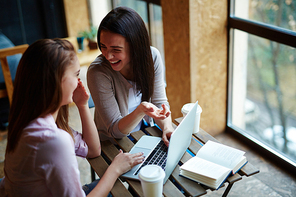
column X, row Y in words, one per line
column 205, row 168
column 220, row 154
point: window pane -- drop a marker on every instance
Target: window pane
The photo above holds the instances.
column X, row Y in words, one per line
column 280, row 13
column 264, row 94
column 139, row 6
column 156, row 28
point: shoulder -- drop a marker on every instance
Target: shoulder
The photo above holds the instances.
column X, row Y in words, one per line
column 44, row 129
column 155, row 52
column 157, row 60
column 45, row 140
column 99, row 64
column 53, row 144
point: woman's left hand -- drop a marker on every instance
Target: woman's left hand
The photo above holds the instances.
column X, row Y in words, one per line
column 80, row 95
column 166, row 125
column 166, row 135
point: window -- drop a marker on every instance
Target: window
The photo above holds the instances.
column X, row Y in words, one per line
column 262, row 75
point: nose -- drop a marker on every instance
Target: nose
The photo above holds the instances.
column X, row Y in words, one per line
column 109, row 55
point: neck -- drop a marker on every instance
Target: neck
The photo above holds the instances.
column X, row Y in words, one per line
column 127, row 74
column 55, row 115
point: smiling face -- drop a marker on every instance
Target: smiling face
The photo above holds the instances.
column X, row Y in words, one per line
column 70, row 81
column 115, row 49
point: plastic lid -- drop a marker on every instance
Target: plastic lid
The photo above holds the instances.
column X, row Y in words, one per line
column 151, row 173
column 187, row 107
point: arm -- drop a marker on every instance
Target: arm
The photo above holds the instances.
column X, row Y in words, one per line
column 121, row 164
column 89, row 131
column 109, row 96
column 166, row 127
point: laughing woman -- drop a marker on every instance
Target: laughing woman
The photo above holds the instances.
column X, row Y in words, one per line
column 126, row 80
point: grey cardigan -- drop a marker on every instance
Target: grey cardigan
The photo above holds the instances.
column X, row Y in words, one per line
column 109, row 90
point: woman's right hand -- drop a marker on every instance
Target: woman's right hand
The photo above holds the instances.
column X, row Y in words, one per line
column 154, row 112
column 130, row 121
column 80, row 95
column 120, row 164
column 123, row 162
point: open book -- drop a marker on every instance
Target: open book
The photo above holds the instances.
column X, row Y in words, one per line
column 213, row 163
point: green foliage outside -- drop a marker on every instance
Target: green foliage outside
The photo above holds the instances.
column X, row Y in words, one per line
column 272, row 66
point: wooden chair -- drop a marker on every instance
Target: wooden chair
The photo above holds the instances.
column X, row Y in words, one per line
column 5, row 68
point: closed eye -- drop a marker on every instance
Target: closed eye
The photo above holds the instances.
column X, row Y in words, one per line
column 103, row 46
column 117, row 50
column 77, row 73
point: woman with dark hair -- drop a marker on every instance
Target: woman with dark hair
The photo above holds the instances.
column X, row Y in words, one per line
column 41, row 151
column 126, row 80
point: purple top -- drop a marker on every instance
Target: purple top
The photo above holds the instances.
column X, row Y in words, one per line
column 44, row 162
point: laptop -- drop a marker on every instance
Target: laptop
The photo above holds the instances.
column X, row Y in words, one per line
column 170, row 156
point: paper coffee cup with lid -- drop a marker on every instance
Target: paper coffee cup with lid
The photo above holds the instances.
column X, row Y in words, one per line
column 151, row 177
column 185, row 110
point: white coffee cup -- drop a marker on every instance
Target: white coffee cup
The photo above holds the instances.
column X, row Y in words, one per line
column 186, row 108
column 151, row 177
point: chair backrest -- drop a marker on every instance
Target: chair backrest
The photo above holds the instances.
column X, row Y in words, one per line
column 5, row 68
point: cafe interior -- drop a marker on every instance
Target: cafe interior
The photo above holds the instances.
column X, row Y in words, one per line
column 206, row 50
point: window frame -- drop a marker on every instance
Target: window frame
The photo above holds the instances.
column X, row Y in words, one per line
column 148, row 2
column 270, row 32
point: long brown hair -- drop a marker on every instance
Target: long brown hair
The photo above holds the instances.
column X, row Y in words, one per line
column 37, row 87
column 129, row 24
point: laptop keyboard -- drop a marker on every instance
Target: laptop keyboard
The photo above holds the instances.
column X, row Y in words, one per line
column 158, row 156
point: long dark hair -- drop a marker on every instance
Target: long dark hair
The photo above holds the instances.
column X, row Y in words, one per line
column 129, row 24
column 37, row 87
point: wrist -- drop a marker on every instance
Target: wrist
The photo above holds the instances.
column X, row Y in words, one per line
column 83, row 107
column 167, row 128
column 114, row 170
column 141, row 110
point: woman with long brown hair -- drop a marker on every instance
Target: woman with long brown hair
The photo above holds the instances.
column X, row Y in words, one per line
column 41, row 151
column 126, row 81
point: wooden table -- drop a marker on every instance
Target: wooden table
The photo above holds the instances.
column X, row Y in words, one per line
column 186, row 187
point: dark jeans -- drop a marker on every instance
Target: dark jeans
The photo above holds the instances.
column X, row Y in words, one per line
column 87, row 188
